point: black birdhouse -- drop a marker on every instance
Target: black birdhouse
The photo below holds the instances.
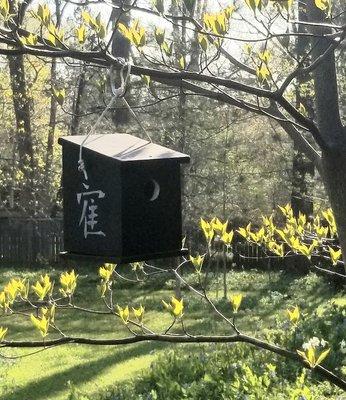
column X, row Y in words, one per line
column 123, row 203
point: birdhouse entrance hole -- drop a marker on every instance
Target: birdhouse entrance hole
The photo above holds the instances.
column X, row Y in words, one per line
column 151, row 190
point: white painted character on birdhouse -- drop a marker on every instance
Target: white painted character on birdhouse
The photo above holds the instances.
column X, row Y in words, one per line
column 89, row 211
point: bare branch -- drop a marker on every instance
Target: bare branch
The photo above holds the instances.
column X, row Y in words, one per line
column 241, row 338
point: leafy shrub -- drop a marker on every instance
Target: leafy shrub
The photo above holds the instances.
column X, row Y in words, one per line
column 220, row 372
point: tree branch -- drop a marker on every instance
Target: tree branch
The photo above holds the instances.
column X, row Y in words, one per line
column 326, row 374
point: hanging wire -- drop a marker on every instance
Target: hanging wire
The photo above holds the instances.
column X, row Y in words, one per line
column 118, row 93
column 114, row 91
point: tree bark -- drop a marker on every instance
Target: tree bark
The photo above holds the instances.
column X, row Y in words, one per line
column 302, row 167
column 24, row 135
column 301, row 200
column 51, row 127
column 76, row 109
column 334, row 177
column 121, row 48
column 53, row 109
column 329, row 122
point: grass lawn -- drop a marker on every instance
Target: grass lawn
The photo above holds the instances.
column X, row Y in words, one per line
column 45, row 375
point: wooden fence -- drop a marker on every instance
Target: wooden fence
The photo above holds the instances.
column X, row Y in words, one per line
column 30, row 241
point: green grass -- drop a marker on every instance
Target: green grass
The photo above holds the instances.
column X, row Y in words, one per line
column 45, row 375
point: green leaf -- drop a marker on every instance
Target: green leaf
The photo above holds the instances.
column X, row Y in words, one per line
column 146, row 79
column 142, row 39
column 44, row 14
column 102, row 31
column 254, row 4
column 203, row 42
column 52, row 39
column 159, row 36
column 168, row 49
column 59, row 95
column 182, row 62
column 322, row 356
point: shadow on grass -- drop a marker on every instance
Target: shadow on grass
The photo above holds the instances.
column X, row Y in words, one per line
column 54, row 384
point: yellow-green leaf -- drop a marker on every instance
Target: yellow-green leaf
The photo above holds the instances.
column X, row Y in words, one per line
column 86, row 17
column 106, row 271
column 159, row 36
column 146, row 79
column 197, row 262
column 324, row 5
column 102, row 288
column 322, row 356
column 262, row 72
column 4, row 8
column 254, row 4
column 4, row 301
column 203, row 42
column 182, row 62
column 236, row 300
column 124, row 314
column 227, row 237
column 3, row 332
column 265, row 56
column 175, row 307
column 42, row 287
column 335, row 255
column 139, row 313
column 293, row 315
column 68, row 282
column 42, row 324
column 248, row 48
column 168, row 49
column 81, row 34
column 101, row 31
column 44, row 14
column 59, row 95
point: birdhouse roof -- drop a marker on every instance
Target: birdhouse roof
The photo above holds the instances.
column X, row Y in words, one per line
column 125, row 148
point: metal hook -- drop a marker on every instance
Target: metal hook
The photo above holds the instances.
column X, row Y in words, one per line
column 121, row 90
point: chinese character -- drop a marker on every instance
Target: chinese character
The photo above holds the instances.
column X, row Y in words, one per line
column 89, row 211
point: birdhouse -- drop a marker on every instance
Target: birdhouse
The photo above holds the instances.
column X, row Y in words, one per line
column 123, row 204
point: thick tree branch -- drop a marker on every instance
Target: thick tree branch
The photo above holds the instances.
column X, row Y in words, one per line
column 299, row 140
column 326, row 374
column 301, row 70
column 103, row 58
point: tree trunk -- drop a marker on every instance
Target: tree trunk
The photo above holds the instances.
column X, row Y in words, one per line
column 121, row 48
column 24, row 139
column 301, row 200
column 53, row 110
column 51, row 127
column 328, row 119
column 302, row 167
column 334, row 177
column 77, row 102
